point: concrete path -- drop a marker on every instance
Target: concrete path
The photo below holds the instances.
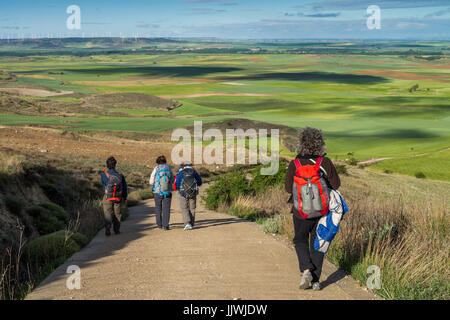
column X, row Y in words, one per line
column 222, row 258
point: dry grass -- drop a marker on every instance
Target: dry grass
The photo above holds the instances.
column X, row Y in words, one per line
column 398, row 223
column 11, row 164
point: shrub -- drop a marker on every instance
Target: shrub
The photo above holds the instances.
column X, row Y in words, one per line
column 56, row 210
column 261, row 182
column 420, row 175
column 273, row 224
column 53, row 194
column 341, row 169
column 15, row 205
column 91, row 218
column 388, row 171
column 204, row 172
column 48, row 217
column 226, row 189
column 56, row 246
column 352, row 161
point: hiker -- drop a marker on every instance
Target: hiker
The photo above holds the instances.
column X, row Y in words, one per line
column 116, row 192
column 309, row 178
column 161, row 181
column 187, row 182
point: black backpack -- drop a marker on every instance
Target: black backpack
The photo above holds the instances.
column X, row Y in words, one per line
column 114, row 187
column 189, row 188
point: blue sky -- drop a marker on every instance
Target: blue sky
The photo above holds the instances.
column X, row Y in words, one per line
column 229, row 19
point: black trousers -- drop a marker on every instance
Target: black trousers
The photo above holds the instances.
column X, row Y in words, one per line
column 162, row 208
column 308, row 258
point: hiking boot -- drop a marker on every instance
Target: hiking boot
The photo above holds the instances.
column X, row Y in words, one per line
column 316, row 286
column 107, row 232
column 188, row 227
column 306, row 280
column 166, row 228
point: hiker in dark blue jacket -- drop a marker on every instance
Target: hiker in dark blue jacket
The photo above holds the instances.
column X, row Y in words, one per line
column 187, row 182
column 116, row 193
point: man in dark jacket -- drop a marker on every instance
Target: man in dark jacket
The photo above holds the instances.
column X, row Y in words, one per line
column 187, row 182
column 112, row 203
column 311, row 147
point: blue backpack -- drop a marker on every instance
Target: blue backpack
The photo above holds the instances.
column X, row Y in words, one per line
column 161, row 186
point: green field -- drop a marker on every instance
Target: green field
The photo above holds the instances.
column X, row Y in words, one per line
column 433, row 166
column 359, row 97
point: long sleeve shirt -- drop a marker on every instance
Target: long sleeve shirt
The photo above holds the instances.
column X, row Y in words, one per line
column 331, row 176
column 180, row 179
column 124, row 183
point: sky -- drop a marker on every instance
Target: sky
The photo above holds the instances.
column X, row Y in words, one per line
column 229, row 19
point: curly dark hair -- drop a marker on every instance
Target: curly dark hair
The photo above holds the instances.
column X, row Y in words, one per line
column 311, row 142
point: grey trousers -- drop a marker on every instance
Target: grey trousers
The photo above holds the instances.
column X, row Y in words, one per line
column 187, row 208
column 162, row 208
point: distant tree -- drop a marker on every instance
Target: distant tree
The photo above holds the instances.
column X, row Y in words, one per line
column 414, row 88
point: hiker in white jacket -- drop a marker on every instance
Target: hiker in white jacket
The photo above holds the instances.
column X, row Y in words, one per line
column 161, row 180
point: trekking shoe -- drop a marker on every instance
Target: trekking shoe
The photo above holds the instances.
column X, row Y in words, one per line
column 316, row 286
column 188, row 227
column 306, row 280
column 107, row 232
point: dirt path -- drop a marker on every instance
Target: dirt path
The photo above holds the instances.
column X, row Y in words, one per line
column 35, row 92
column 223, row 258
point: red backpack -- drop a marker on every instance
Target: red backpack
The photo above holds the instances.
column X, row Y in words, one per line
column 310, row 190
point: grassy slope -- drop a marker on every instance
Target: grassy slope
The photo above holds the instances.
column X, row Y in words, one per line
column 433, row 166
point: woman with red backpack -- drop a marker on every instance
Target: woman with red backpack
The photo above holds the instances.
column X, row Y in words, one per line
column 309, row 178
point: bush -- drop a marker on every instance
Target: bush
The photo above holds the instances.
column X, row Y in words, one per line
column 388, row 171
column 226, row 189
column 341, row 169
column 53, row 194
column 261, row 182
column 53, row 247
column 420, row 175
column 48, row 217
column 273, row 224
column 352, row 161
column 15, row 205
column 56, row 210
column 204, row 172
